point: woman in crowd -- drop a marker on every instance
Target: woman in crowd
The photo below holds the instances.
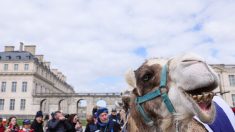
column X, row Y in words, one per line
column 75, row 123
column 73, row 118
column 91, row 124
column 12, row 125
column 37, row 124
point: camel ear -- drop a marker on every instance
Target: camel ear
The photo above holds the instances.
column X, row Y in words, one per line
column 130, row 79
column 135, row 92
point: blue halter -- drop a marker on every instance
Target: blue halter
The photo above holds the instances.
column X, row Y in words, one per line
column 149, row 96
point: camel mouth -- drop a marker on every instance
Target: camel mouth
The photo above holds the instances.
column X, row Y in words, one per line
column 203, row 100
column 202, row 96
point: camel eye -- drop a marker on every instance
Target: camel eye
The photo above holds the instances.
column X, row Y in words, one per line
column 147, row 77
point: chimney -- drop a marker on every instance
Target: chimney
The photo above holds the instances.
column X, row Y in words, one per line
column 9, row 48
column 30, row 48
column 39, row 57
column 21, row 46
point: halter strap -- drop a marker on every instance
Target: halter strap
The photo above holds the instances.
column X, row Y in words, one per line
column 149, row 96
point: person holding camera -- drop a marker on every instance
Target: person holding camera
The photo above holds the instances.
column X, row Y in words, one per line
column 58, row 123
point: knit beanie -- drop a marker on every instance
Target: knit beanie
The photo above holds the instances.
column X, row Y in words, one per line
column 39, row 114
column 101, row 110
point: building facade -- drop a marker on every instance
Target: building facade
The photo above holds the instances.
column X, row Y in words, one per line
column 226, row 88
column 24, row 74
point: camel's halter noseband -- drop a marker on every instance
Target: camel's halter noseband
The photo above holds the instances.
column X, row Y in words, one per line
column 156, row 93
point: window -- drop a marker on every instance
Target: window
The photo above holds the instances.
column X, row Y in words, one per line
column 22, row 104
column 13, row 87
column 8, row 57
column 3, row 87
column 5, row 67
column 12, row 104
column 231, row 80
column 16, row 67
column 1, row 104
column 233, row 98
column 26, row 67
column 24, row 86
column 29, row 57
column 18, row 57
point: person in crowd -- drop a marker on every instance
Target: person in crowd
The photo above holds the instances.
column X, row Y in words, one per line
column 46, row 118
column 26, row 126
column 75, row 123
column 2, row 127
column 12, row 125
column 58, row 123
column 91, row 124
column 94, row 110
column 104, row 124
column 114, row 116
column 73, row 119
column 37, row 124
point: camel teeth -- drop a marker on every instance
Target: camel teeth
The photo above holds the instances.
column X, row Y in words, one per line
column 205, row 97
column 206, row 94
column 194, row 97
column 199, row 97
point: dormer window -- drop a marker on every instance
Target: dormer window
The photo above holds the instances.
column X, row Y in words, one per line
column 29, row 57
column 8, row 57
column 18, row 57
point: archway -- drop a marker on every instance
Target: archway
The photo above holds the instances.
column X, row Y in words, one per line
column 43, row 106
column 62, row 106
column 81, row 108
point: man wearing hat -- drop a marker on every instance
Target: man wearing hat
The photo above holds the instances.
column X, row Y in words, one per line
column 37, row 124
column 104, row 124
column 114, row 116
column 26, row 126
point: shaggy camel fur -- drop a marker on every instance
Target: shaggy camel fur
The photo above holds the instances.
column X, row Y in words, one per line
column 190, row 82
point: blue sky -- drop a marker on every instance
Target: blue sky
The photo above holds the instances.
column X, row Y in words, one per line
column 94, row 42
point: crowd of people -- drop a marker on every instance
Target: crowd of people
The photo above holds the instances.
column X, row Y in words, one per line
column 98, row 121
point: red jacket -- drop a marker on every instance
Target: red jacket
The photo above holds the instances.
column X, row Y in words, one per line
column 2, row 128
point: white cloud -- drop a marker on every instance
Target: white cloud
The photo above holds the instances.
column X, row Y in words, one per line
column 91, row 41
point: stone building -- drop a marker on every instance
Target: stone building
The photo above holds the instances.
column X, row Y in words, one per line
column 24, row 74
column 226, row 89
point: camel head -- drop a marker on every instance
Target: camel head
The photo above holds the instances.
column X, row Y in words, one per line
column 190, row 82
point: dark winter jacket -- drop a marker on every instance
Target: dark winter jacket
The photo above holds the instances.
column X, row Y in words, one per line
column 37, row 127
column 111, row 126
column 59, row 126
column 91, row 127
